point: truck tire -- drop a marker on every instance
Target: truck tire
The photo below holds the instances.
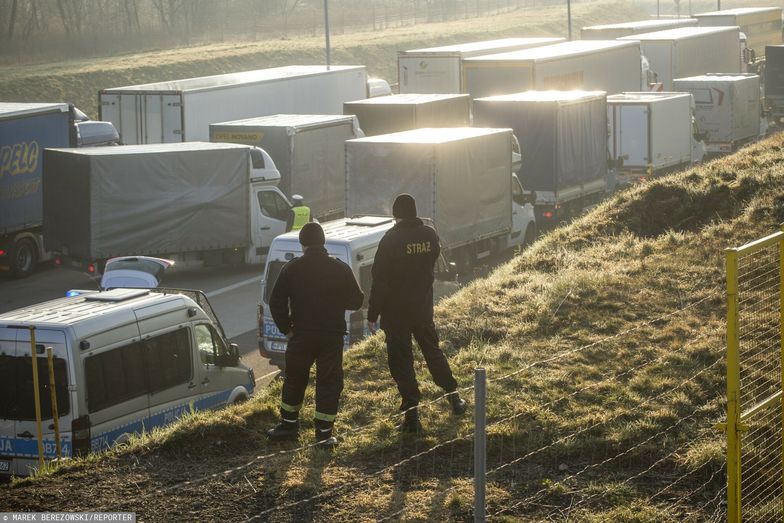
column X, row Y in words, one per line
column 530, row 235
column 23, row 258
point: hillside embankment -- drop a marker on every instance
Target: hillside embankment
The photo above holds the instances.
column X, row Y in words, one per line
column 604, row 348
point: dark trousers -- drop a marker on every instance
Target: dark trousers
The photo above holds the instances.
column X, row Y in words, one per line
column 326, row 350
column 401, row 360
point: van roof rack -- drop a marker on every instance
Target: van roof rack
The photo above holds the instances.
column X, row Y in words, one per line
column 369, row 221
column 116, row 295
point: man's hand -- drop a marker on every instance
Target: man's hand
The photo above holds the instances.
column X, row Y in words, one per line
column 372, row 327
column 289, row 335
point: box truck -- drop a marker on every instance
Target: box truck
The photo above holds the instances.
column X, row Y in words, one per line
column 686, row 51
column 774, row 82
column 182, row 110
column 760, row 25
column 608, row 65
column 728, row 108
column 461, row 178
column 563, row 141
column 308, row 150
column 650, row 134
column 613, row 31
column 402, row 112
column 191, row 202
column 26, row 129
column 440, row 69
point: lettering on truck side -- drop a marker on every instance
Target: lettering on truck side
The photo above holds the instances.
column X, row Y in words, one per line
column 19, row 158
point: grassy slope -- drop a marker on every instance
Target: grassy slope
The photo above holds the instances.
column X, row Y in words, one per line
column 79, row 81
column 645, row 396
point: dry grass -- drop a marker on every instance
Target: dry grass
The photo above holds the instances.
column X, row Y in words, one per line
column 614, row 327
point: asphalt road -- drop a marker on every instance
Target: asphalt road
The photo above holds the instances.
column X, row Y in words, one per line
column 233, row 293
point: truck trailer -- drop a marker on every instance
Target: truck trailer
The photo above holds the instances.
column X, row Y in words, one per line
column 26, row 129
column 563, row 141
column 609, row 65
column 774, row 82
column 613, row 31
column 403, row 112
column 440, row 69
column 461, row 178
column 190, row 202
column 761, row 25
column 686, row 51
column 308, row 150
column 650, row 134
column 182, row 110
column 727, row 108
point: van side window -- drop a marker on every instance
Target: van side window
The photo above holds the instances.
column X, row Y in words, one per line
column 210, row 343
column 139, row 368
column 168, row 359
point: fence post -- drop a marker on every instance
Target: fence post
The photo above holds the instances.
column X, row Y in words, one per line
column 480, row 443
column 733, row 390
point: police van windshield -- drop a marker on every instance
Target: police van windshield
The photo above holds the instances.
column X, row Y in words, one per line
column 273, row 271
column 16, row 388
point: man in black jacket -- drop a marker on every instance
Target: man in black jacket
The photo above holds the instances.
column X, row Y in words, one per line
column 308, row 304
column 402, row 294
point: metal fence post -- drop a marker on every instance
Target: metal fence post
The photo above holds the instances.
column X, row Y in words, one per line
column 733, row 390
column 480, row 443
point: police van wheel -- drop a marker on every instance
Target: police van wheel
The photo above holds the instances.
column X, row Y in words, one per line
column 23, row 258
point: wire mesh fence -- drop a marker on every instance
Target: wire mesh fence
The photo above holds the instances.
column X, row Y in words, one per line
column 754, row 425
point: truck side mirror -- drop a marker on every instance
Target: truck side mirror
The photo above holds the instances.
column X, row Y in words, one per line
column 530, row 197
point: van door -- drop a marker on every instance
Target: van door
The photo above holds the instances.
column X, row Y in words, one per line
column 633, row 131
column 171, row 118
column 8, row 394
column 269, row 212
column 20, row 387
column 170, row 374
column 216, row 383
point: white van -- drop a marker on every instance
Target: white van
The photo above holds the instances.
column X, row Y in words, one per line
column 125, row 360
column 351, row 240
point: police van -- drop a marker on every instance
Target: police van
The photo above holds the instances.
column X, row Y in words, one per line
column 125, row 360
column 350, row 240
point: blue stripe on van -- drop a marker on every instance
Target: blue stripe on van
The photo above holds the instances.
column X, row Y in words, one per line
column 28, row 448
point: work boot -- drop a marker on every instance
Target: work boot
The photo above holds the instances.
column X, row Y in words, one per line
column 458, row 404
column 287, row 429
column 324, row 437
column 411, row 422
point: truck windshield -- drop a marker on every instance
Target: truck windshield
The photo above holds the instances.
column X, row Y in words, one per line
column 273, row 271
column 16, row 388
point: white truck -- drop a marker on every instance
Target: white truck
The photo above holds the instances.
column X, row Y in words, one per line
column 563, row 145
column 195, row 203
column 440, row 69
column 650, row 134
column 760, row 25
column 402, row 112
column 308, row 150
column 728, row 108
column 613, row 31
column 687, row 51
column 608, row 65
column 182, row 110
column 461, row 178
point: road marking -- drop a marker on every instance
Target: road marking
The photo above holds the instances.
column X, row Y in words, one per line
column 267, row 375
column 228, row 288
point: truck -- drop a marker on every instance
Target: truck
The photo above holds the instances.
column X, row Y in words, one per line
column 26, row 129
column 774, row 82
column 686, row 51
column 650, row 134
column 195, row 203
column 728, row 108
column 182, row 110
column 402, row 112
column 461, row 178
column 613, row 31
column 308, row 150
column 613, row 66
column 440, row 69
column 563, row 141
column 760, row 25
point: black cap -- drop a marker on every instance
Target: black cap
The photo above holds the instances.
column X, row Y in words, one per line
column 311, row 234
column 404, row 207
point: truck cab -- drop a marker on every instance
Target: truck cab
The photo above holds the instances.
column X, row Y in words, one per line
column 269, row 206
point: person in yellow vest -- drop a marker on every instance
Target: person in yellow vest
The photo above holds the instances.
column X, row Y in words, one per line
column 299, row 214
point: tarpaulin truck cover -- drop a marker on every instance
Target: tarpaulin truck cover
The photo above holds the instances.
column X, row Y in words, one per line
column 308, row 150
column 101, row 202
column 403, row 112
column 562, row 134
column 460, row 177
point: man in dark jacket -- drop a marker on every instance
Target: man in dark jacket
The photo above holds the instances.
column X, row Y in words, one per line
column 402, row 294
column 308, row 304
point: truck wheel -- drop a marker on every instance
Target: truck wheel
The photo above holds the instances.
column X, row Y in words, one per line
column 530, row 235
column 464, row 261
column 23, row 258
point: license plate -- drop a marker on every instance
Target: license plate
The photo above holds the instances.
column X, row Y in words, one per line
column 5, row 465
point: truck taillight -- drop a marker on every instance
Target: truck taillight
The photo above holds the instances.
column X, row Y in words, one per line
column 80, row 435
column 547, row 214
column 260, row 319
column 91, row 268
column 2, row 252
column 58, row 261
